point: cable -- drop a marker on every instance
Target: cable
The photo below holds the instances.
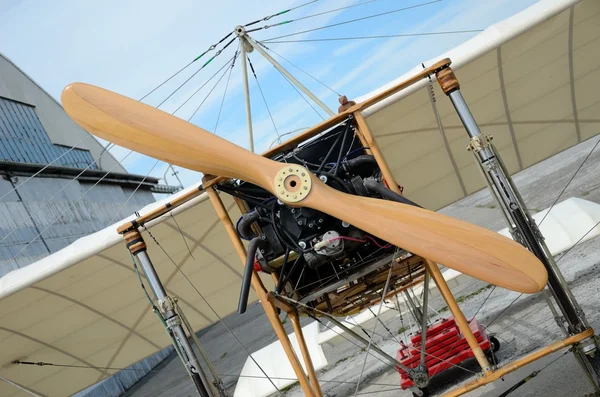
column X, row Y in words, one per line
column 196, row 72
column 45, row 167
column 131, row 195
column 570, row 180
column 30, row 217
column 310, row 16
column 379, row 36
column 211, row 90
column 277, row 14
column 354, row 20
column 302, row 70
column 204, row 85
column 225, row 91
column 302, row 96
column 263, row 97
column 212, row 47
column 70, row 206
column 210, row 307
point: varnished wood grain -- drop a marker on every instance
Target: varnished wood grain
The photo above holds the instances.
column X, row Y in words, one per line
column 467, row 248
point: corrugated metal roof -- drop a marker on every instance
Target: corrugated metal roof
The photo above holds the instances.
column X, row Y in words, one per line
column 23, row 139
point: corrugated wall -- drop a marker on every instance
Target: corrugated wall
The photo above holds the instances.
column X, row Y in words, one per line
column 23, row 139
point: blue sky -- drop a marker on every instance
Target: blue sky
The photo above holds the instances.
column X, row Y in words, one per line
column 130, row 46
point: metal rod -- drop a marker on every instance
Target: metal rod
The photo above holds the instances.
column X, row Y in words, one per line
column 243, row 44
column 424, row 317
column 174, row 323
column 468, row 120
column 393, row 362
column 287, row 74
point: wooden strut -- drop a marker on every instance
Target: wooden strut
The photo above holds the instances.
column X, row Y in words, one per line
column 513, row 366
column 430, row 266
column 268, row 307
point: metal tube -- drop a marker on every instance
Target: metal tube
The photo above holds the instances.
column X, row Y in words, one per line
column 393, row 362
column 424, row 317
column 468, row 120
column 298, row 84
column 174, row 323
column 155, row 284
column 243, row 43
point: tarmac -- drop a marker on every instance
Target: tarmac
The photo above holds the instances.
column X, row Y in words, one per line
column 525, row 326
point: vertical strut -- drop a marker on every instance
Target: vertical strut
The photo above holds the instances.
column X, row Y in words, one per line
column 166, row 306
column 521, row 224
column 244, row 62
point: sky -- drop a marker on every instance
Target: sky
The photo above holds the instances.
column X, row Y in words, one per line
column 132, row 46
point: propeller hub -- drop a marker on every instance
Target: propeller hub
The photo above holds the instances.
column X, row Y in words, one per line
column 292, row 183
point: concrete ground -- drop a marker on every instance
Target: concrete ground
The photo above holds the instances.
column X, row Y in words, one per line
column 524, row 327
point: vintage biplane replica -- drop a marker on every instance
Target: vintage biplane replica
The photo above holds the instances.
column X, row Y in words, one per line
column 319, row 223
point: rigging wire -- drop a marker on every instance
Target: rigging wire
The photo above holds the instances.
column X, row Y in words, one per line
column 225, row 91
column 210, row 307
column 280, row 13
column 569, row 182
column 30, row 215
column 71, row 206
column 212, row 47
column 210, row 92
column 30, row 392
column 197, row 71
column 300, row 69
column 205, row 83
column 132, row 193
column 302, row 96
column 45, row 363
column 385, row 36
column 46, row 166
column 310, row 16
column 264, row 99
column 353, row 20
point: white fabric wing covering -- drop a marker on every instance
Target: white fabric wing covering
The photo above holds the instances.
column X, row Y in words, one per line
column 530, row 83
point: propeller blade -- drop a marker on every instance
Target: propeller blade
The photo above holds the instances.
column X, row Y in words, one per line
column 459, row 245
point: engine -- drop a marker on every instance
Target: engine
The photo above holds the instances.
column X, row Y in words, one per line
column 313, row 253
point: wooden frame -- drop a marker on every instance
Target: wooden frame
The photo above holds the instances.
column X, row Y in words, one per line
column 271, row 304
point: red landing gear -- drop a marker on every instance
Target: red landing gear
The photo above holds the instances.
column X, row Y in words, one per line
column 445, row 347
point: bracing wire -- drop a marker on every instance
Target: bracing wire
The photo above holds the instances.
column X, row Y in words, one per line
column 301, row 96
column 30, row 215
column 212, row 47
column 211, row 91
column 302, row 70
column 225, row 91
column 383, row 36
column 264, row 99
column 353, row 20
column 44, row 364
column 211, row 308
column 196, row 72
column 71, row 206
column 132, row 193
column 280, row 13
column 310, row 16
column 203, row 85
column 45, row 167
column 569, row 182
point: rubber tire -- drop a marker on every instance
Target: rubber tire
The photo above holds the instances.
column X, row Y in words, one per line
column 425, row 391
column 495, row 344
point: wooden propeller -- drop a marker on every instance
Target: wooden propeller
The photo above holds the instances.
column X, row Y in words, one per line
column 470, row 249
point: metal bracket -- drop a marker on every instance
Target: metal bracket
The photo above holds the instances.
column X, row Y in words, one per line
column 477, row 144
column 292, row 183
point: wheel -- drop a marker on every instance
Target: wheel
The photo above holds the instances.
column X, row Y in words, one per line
column 424, row 391
column 495, row 344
